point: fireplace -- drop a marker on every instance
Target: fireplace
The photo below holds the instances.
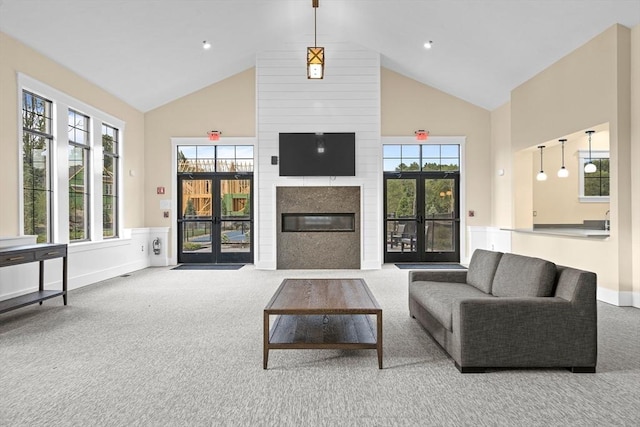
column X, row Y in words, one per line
column 318, row 222
column 318, row 227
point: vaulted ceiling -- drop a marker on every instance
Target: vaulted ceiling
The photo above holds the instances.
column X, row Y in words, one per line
column 149, row 52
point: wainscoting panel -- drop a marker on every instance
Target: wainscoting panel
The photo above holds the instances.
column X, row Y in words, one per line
column 88, row 262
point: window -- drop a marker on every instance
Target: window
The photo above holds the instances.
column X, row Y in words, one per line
column 110, row 141
column 37, row 136
column 62, row 195
column 215, row 158
column 594, row 187
column 424, row 157
column 78, row 176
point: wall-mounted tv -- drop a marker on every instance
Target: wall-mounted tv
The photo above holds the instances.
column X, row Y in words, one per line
column 318, row 154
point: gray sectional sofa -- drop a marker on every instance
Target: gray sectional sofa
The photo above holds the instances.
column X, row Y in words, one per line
column 509, row 311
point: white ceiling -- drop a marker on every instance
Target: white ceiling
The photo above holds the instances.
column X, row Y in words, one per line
column 149, row 52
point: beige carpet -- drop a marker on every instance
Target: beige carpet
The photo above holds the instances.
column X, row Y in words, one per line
column 164, row 347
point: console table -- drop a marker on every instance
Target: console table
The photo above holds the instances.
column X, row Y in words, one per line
column 40, row 252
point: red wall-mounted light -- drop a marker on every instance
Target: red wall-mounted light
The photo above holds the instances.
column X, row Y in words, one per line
column 421, row 135
column 214, row 135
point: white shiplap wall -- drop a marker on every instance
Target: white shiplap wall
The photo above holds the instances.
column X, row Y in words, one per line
column 346, row 100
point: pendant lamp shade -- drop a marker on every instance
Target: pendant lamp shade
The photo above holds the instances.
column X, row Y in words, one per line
column 590, row 167
column 563, row 172
column 541, row 175
column 315, row 54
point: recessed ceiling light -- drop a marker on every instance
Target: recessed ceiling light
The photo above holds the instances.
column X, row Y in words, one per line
column 428, row 44
column 206, row 45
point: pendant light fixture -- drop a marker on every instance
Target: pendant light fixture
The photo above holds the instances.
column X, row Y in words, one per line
column 563, row 172
column 315, row 54
column 590, row 167
column 541, row 175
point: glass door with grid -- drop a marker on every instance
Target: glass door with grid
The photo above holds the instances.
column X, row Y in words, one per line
column 421, row 211
column 215, row 199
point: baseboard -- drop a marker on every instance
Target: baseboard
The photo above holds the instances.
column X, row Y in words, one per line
column 635, row 299
column 370, row 265
column 617, row 298
column 107, row 273
column 265, row 265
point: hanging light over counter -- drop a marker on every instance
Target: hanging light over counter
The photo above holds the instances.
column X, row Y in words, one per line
column 563, row 172
column 541, row 175
column 590, row 167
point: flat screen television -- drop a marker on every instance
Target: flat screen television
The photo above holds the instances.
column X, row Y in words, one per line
column 318, row 154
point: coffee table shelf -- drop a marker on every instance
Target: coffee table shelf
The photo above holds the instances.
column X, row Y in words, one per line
column 356, row 331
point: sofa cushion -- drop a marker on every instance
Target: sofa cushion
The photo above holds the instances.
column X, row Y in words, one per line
column 438, row 298
column 482, row 268
column 523, row 276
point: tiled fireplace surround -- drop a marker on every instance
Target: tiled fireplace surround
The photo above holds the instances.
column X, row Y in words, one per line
column 318, row 249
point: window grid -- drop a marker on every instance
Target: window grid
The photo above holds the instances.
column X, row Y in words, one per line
column 55, row 123
column 596, row 184
column 110, row 176
column 37, row 140
column 78, row 157
column 214, row 158
column 421, row 157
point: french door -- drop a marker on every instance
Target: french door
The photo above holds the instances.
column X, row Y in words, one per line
column 422, row 217
column 215, row 218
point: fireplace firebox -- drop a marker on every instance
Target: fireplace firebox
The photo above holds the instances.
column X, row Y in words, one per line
column 318, row 222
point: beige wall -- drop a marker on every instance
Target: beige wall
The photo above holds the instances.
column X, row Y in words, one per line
column 578, row 91
column 407, row 105
column 501, row 168
column 16, row 58
column 555, row 201
column 590, row 86
column 227, row 106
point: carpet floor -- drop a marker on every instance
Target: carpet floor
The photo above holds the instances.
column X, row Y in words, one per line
column 166, row 348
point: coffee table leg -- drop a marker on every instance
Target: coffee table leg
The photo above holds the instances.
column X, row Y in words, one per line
column 379, row 339
column 265, row 349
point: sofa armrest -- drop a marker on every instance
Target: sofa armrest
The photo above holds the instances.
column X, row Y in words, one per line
column 452, row 276
column 527, row 331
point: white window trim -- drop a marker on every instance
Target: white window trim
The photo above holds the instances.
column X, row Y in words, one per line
column 60, row 209
column 583, row 157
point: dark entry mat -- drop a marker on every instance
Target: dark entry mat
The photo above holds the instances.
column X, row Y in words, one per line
column 208, row 267
column 431, row 266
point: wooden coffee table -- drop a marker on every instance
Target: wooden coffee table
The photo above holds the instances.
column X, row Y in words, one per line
column 323, row 314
